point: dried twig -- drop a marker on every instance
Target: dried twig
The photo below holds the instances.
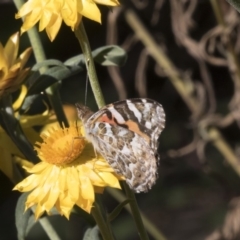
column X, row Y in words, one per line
column 231, row 226
column 212, row 133
column 112, row 39
column 140, row 79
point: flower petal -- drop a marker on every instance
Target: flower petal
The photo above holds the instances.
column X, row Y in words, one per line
column 39, row 167
column 69, row 13
column 44, row 20
column 109, row 179
column 31, row 20
column 87, row 190
column 39, row 211
column 27, row 184
column 108, row 2
column 91, row 11
column 28, row 7
column 85, row 204
column 3, row 62
column 73, row 180
column 23, row 58
column 52, row 197
column 53, row 28
column 64, row 204
column 11, row 48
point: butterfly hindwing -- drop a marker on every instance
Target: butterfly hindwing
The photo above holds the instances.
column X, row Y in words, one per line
column 128, row 154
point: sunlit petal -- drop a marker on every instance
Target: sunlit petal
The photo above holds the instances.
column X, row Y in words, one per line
column 12, row 71
column 50, row 14
column 108, row 2
column 91, row 11
column 53, row 27
column 11, row 48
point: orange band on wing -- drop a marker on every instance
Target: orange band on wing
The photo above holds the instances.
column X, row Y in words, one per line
column 105, row 118
column 133, row 126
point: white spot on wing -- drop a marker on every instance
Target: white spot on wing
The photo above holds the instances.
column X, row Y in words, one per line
column 122, row 132
column 135, row 111
column 117, row 115
column 148, row 125
column 126, row 150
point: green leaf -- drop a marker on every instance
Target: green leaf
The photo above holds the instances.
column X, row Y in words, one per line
column 110, row 56
column 25, row 220
column 76, row 61
column 22, row 217
column 106, row 56
column 14, row 129
column 84, row 215
column 50, row 76
column 117, row 210
column 47, row 63
column 92, row 234
column 235, row 4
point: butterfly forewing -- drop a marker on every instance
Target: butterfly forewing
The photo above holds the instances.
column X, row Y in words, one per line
column 140, row 115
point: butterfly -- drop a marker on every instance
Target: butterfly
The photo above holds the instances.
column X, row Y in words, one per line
column 126, row 134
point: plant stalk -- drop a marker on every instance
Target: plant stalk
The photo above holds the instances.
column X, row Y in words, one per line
column 81, row 35
column 39, row 54
column 153, row 231
column 136, row 213
column 84, row 43
column 103, row 227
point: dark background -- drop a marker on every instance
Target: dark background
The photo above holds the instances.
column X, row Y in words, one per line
column 191, row 197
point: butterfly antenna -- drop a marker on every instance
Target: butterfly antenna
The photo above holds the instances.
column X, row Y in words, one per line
column 86, row 90
column 76, row 122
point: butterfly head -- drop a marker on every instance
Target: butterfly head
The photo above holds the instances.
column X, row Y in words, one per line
column 83, row 112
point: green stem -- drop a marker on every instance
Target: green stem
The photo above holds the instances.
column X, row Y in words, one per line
column 135, row 213
column 85, row 46
column 34, row 38
column 39, row 53
column 84, row 43
column 103, row 227
column 152, row 230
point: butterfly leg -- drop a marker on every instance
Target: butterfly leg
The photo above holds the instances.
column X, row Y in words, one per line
column 72, row 145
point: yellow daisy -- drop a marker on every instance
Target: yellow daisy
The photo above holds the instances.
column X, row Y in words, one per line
column 69, row 173
column 12, row 72
column 50, row 13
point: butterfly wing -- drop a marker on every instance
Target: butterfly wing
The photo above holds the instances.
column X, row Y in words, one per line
column 143, row 116
column 128, row 154
column 125, row 133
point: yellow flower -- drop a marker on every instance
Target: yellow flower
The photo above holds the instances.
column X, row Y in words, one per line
column 69, row 173
column 50, row 13
column 12, row 72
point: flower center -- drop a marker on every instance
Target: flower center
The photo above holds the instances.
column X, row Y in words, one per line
column 61, row 146
column 71, row 146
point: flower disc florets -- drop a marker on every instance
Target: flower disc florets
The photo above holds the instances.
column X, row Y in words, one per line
column 61, row 146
